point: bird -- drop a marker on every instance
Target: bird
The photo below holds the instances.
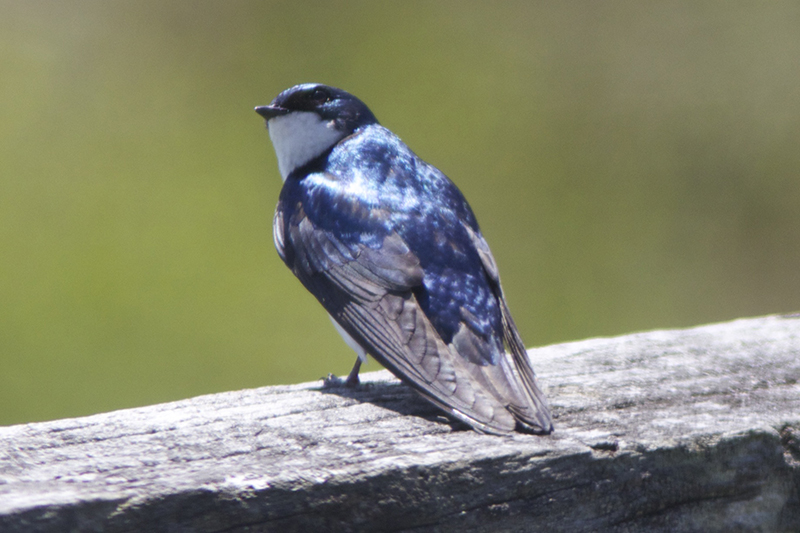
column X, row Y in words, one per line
column 392, row 250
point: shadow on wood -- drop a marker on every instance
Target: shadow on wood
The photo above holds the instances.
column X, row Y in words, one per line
column 683, row 430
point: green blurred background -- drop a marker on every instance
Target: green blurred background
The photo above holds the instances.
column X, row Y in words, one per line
column 632, row 167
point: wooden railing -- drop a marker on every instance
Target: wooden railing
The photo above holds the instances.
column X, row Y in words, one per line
column 682, row 430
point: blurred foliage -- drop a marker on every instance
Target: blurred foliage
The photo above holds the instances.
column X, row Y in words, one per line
column 632, row 167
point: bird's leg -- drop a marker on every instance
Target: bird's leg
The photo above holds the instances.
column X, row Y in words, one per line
column 352, row 380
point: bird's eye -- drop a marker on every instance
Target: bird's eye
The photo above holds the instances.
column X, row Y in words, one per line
column 319, row 96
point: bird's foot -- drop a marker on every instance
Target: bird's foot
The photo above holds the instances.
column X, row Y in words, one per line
column 332, row 381
column 352, row 381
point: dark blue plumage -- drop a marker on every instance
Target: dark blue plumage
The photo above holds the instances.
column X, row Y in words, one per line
column 381, row 187
column 390, row 247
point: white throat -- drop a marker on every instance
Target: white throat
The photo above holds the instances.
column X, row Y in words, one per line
column 299, row 137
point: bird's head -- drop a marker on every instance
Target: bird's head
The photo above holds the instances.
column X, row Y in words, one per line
column 307, row 120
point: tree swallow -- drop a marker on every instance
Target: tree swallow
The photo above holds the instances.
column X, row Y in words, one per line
column 391, row 249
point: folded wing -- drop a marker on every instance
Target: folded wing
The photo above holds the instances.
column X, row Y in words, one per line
column 370, row 292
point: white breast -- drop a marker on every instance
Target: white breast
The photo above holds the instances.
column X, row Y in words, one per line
column 299, row 137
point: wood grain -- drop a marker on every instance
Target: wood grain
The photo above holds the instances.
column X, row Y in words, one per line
column 681, row 430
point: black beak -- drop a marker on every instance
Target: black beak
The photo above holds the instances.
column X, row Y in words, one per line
column 271, row 111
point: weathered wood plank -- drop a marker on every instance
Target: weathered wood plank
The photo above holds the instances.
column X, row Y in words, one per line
column 684, row 430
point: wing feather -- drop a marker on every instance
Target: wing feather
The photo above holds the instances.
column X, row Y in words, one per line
column 370, row 293
column 514, row 373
